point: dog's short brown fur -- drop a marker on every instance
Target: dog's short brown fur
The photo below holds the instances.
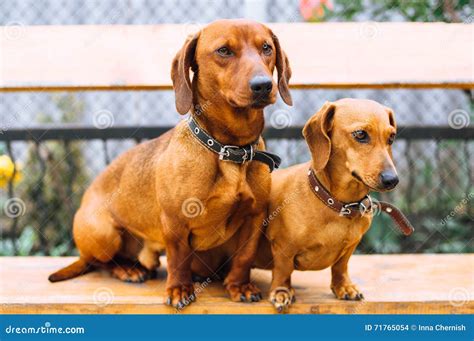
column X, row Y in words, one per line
column 173, row 194
column 304, row 233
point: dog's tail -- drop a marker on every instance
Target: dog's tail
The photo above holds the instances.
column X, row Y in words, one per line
column 79, row 267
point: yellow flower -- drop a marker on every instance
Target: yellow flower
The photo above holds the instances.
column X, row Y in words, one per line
column 6, row 171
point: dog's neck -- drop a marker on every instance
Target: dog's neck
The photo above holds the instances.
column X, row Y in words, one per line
column 340, row 183
column 226, row 124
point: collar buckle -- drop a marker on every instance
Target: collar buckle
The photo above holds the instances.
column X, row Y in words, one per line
column 360, row 205
column 346, row 209
column 226, row 150
column 364, row 209
column 232, row 153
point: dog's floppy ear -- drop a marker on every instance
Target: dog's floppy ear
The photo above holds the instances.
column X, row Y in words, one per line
column 284, row 71
column 316, row 134
column 182, row 62
column 391, row 117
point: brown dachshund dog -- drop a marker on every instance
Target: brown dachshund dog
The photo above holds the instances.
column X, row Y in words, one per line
column 350, row 144
column 173, row 194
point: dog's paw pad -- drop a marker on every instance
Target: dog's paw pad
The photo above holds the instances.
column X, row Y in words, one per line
column 282, row 298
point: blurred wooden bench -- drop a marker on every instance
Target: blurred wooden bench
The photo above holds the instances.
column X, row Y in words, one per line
column 330, row 55
column 392, row 284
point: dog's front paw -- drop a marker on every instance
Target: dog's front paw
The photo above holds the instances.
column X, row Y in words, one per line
column 247, row 292
column 282, row 298
column 347, row 291
column 180, row 296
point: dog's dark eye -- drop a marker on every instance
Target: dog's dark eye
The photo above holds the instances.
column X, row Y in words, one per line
column 391, row 139
column 361, row 136
column 267, row 49
column 224, row 51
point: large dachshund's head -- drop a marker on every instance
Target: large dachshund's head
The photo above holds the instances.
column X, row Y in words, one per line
column 232, row 63
column 355, row 136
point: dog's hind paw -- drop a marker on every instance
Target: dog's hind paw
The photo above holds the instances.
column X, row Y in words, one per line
column 132, row 273
column 282, row 298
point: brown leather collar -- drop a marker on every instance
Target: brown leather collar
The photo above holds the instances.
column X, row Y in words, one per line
column 359, row 208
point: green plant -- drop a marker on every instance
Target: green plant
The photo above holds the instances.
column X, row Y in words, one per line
column 53, row 187
column 383, row 10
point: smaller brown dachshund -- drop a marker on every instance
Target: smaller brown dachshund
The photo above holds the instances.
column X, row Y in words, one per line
column 320, row 210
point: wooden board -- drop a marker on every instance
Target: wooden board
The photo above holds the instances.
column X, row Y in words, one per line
column 324, row 55
column 392, row 284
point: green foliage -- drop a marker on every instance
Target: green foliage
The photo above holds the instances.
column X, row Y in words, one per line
column 409, row 10
column 442, row 211
column 52, row 188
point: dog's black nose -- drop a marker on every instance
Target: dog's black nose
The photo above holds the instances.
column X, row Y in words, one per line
column 388, row 179
column 261, row 85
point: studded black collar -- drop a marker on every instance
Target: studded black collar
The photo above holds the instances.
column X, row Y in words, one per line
column 237, row 154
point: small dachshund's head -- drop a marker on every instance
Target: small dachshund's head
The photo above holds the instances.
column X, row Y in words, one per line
column 354, row 137
column 233, row 63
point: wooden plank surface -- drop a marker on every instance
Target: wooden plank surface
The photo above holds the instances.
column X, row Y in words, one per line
column 324, row 55
column 392, row 284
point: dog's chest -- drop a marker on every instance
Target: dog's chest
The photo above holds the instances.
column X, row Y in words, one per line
column 229, row 201
column 330, row 242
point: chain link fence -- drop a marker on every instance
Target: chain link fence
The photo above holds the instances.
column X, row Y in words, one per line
column 436, row 187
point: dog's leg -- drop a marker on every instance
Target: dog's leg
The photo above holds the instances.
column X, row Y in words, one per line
column 179, row 285
column 341, row 284
column 237, row 282
column 282, row 295
column 205, row 264
column 102, row 243
column 149, row 257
